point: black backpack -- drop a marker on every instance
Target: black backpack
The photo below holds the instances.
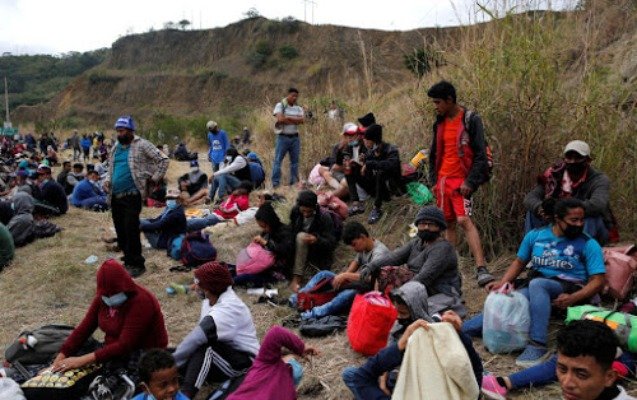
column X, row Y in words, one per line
column 324, row 326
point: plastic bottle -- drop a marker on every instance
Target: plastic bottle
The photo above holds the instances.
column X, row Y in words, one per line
column 176, row 288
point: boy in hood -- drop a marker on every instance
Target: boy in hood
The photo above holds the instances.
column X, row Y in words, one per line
column 371, row 381
column 21, row 224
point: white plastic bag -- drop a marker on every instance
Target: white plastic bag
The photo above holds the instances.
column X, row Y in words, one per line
column 506, row 321
column 10, row 390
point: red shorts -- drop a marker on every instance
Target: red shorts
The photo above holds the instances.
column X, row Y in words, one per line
column 449, row 199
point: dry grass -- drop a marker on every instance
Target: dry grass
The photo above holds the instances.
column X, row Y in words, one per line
column 49, row 282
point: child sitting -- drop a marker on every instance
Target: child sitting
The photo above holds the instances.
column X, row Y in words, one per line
column 159, row 376
column 238, row 201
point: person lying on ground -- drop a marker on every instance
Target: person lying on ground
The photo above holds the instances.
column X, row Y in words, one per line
column 573, row 177
column 160, row 231
column 314, row 232
column 224, row 343
column 232, row 171
column 126, row 312
column 159, row 377
column 377, row 377
column 586, row 366
column 193, row 186
column 346, row 283
column 277, row 238
column 50, row 192
column 428, row 258
column 566, row 268
column 89, row 195
column 274, row 376
column 7, row 247
column 239, row 200
column 376, row 173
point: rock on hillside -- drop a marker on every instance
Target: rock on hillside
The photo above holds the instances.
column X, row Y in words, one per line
column 249, row 63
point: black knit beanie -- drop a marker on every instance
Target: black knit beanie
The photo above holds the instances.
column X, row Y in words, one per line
column 374, row 133
column 433, row 214
column 367, row 120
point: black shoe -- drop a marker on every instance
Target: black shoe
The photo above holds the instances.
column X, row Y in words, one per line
column 135, row 271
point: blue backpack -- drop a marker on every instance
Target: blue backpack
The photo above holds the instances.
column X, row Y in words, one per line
column 196, row 249
column 257, row 174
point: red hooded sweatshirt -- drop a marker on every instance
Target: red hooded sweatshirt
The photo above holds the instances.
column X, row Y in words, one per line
column 136, row 324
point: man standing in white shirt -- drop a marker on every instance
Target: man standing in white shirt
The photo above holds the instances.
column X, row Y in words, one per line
column 289, row 116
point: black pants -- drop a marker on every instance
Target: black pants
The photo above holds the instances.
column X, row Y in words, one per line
column 215, row 363
column 125, row 211
column 373, row 182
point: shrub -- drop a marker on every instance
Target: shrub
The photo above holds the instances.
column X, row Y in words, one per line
column 288, row 52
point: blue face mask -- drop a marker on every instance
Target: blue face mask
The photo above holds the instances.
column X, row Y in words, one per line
column 115, row 300
column 171, row 204
column 297, row 371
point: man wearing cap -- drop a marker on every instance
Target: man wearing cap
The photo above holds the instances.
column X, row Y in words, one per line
column 224, row 343
column 379, row 169
column 50, row 192
column 289, row 116
column 218, row 144
column 458, row 165
column 134, row 165
column 430, row 260
column 89, row 195
column 193, row 185
column 573, row 177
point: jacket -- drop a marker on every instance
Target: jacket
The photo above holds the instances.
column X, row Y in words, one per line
column 85, row 190
column 270, row 377
column 53, row 194
column 21, row 224
column 145, row 161
column 386, row 160
column 594, row 191
column 228, row 321
column 136, row 324
column 170, row 223
column 471, row 149
column 321, row 253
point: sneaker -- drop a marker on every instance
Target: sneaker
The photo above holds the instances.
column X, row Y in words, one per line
column 135, row 271
column 374, row 215
column 532, row 356
column 483, row 276
column 491, row 389
column 355, row 209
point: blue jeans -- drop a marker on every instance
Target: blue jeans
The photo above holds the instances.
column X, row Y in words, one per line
column 94, row 201
column 152, row 237
column 363, row 381
column 196, row 224
column 221, row 183
column 593, row 226
column 340, row 303
column 540, row 292
column 286, row 144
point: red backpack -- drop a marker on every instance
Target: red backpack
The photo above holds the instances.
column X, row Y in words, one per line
column 370, row 321
column 320, row 294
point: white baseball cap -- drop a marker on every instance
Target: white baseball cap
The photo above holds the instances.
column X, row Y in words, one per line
column 211, row 125
column 578, row 146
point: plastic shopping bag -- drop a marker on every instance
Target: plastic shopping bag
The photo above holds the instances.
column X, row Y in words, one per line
column 506, row 321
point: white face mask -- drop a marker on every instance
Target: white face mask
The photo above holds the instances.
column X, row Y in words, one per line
column 194, row 170
column 229, row 159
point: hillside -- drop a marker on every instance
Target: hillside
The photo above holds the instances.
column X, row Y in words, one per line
column 245, row 63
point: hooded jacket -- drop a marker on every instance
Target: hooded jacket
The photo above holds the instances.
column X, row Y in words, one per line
column 21, row 224
column 414, row 295
column 136, row 324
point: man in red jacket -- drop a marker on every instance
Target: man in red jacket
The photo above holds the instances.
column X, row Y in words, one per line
column 128, row 314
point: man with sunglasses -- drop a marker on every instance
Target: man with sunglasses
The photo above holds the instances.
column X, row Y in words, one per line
column 573, row 177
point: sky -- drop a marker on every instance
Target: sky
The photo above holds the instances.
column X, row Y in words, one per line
column 61, row 26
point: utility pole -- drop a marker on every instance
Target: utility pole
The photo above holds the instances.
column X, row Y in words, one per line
column 7, row 121
column 312, row 4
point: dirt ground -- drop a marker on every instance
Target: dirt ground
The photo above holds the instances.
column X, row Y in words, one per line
column 50, row 282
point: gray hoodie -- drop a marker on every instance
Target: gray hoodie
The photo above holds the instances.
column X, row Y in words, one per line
column 21, row 225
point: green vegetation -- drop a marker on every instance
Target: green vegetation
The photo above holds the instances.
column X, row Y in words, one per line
column 422, row 61
column 287, row 25
column 288, row 52
column 259, row 56
column 36, row 79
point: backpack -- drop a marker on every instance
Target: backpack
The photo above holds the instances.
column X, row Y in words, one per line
column 621, row 263
column 48, row 342
column 254, row 259
column 174, row 250
column 196, row 249
column 257, row 174
column 324, row 326
column 323, row 292
column 370, row 321
column 489, row 172
column 278, row 127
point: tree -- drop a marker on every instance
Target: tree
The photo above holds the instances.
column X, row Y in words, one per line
column 169, row 25
column 183, row 24
column 252, row 13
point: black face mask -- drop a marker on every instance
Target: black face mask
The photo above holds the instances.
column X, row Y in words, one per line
column 124, row 139
column 428, row 236
column 573, row 231
column 404, row 321
column 577, row 168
